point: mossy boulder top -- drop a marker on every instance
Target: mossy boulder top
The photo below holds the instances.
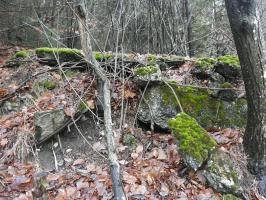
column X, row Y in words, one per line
column 194, row 142
column 228, row 66
column 147, row 74
column 53, row 55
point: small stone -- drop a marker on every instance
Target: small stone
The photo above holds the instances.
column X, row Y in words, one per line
column 56, row 145
column 68, row 150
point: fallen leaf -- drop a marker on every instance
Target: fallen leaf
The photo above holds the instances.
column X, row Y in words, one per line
column 139, row 149
column 161, row 155
column 91, row 104
column 3, row 92
column 129, row 94
column 98, row 146
column 79, row 162
column 52, row 177
column 3, row 142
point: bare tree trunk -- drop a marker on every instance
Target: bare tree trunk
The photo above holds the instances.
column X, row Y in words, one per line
column 243, row 21
column 87, row 50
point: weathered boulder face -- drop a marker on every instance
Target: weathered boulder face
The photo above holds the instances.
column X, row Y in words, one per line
column 194, row 142
column 153, row 108
column 160, row 104
column 148, row 74
column 50, row 56
column 221, row 174
column 47, row 123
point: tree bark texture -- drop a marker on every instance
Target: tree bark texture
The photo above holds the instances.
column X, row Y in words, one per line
column 244, row 25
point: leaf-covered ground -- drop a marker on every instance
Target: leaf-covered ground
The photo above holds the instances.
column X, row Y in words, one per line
column 153, row 169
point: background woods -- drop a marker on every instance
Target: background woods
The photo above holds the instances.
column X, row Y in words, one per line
column 183, row 27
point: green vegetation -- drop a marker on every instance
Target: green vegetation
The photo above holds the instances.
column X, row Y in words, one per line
column 130, row 141
column 152, row 58
column 226, row 85
column 102, row 56
column 201, row 105
column 143, row 71
column 21, row 54
column 230, row 197
column 83, row 106
column 61, row 51
column 194, row 140
column 205, row 63
column 49, row 85
column 230, row 60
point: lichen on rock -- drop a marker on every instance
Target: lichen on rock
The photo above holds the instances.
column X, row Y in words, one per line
column 194, row 142
column 221, row 174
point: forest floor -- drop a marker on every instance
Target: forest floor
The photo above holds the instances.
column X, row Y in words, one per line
column 74, row 163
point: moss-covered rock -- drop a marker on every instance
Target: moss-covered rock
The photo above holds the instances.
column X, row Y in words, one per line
column 21, row 54
column 143, row 75
column 207, row 110
column 102, row 57
column 194, row 142
column 221, row 174
column 230, row 197
column 228, row 93
column 230, row 60
column 229, row 67
column 48, row 84
column 205, row 63
column 152, row 108
column 199, row 103
column 51, row 56
column 144, row 71
column 170, row 61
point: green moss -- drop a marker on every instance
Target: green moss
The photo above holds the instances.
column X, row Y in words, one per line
column 207, row 110
column 50, row 85
column 152, row 58
column 194, row 140
column 83, row 107
column 230, row 60
column 205, row 62
column 61, row 51
column 21, row 54
column 143, row 71
column 230, row 197
column 70, row 74
column 102, row 56
column 226, row 85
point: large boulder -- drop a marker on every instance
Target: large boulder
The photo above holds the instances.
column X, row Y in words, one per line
column 160, row 104
column 153, row 108
column 47, row 123
column 195, row 144
column 221, row 174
